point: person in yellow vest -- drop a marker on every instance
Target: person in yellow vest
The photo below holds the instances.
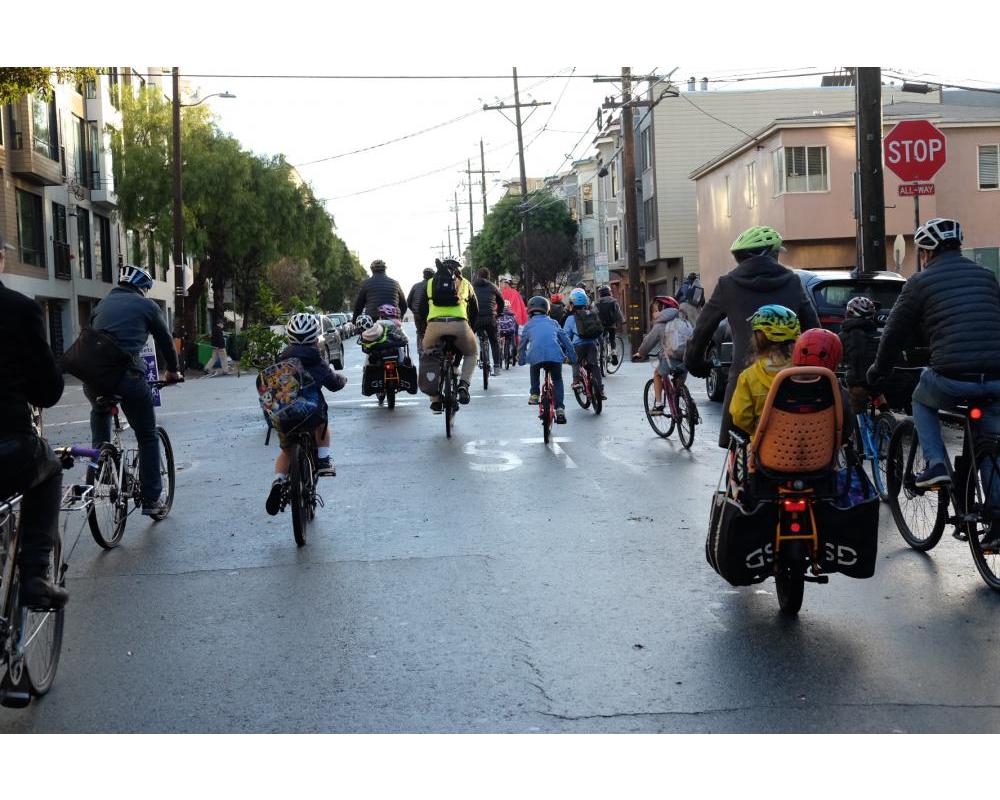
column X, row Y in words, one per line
column 448, row 306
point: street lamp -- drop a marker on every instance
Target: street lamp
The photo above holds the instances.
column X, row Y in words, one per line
column 179, row 287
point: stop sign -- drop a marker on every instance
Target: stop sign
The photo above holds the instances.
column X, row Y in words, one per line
column 914, row 150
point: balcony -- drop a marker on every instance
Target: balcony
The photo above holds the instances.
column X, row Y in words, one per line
column 102, row 193
column 28, row 163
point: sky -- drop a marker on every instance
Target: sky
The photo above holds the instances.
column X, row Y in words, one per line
column 405, row 224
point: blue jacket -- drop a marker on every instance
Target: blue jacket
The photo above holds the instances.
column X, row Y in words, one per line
column 131, row 317
column 570, row 326
column 543, row 341
column 323, row 374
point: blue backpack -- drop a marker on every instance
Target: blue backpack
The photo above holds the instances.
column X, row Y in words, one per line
column 289, row 396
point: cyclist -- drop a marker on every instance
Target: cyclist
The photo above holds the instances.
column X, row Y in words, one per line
column 545, row 344
column 448, row 306
column 757, row 280
column 27, row 465
column 611, row 316
column 956, row 304
column 585, row 332
column 303, row 343
column 557, row 308
column 671, row 361
column 417, row 291
column 859, row 337
column 378, row 290
column 490, row 303
column 131, row 318
column 516, row 301
column 507, row 326
column 390, row 333
column 775, row 329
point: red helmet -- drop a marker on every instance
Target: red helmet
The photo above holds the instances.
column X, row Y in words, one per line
column 665, row 301
column 818, row 347
column 556, row 298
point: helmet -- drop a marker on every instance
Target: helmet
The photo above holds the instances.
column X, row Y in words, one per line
column 667, row 302
column 581, row 285
column 450, row 263
column 935, row 232
column 578, row 297
column 373, row 333
column 860, row 307
column 428, row 273
column 364, row 321
column 538, row 304
column 556, row 298
column 818, row 347
column 777, row 323
column 303, row 328
column 130, row 275
column 378, row 265
column 604, row 290
column 759, row 237
column 388, row 311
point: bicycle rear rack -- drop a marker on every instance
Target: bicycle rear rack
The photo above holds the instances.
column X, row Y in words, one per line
column 77, row 497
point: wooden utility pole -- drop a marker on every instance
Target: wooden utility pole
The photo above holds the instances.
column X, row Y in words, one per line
column 439, row 248
column 870, row 185
column 179, row 288
column 458, row 230
column 483, row 173
column 527, row 277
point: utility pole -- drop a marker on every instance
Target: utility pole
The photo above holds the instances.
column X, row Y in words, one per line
column 468, row 173
column 179, row 287
column 458, row 230
column 439, row 248
column 527, row 278
column 870, row 186
column 449, row 241
column 483, row 173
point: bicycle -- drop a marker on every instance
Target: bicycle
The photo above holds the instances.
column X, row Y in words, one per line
column 390, row 385
column 508, row 350
column 115, row 478
column 484, row 357
column 584, row 392
column 679, row 409
column 449, row 382
column 921, row 514
column 547, row 405
column 875, row 427
column 611, row 356
column 299, row 491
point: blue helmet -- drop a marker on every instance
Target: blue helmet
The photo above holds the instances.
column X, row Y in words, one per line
column 578, row 298
column 130, row 275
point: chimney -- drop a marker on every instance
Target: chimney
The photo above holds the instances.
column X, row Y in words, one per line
column 691, row 83
column 704, row 84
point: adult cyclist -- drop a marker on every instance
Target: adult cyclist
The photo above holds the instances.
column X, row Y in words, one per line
column 610, row 312
column 132, row 317
column 956, row 304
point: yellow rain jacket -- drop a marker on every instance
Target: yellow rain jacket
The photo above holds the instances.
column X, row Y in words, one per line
column 751, row 391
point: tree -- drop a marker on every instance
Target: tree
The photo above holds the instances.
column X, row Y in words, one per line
column 291, row 280
column 16, row 82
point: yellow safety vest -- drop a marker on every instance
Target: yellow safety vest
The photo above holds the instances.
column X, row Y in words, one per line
column 461, row 310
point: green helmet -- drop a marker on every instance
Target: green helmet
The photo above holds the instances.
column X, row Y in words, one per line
column 777, row 323
column 759, row 237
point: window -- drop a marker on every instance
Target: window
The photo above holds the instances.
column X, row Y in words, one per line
column 751, row 184
column 800, row 169
column 94, row 149
column 81, row 158
column 572, row 208
column 587, row 190
column 989, row 161
column 588, row 250
column 729, row 205
column 113, row 87
column 60, row 242
column 30, row 229
column 45, row 137
column 614, row 179
column 86, row 264
column 645, row 150
column 615, row 244
column 102, row 247
column 649, row 218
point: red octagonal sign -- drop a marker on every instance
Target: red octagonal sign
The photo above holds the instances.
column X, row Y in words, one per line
column 914, row 150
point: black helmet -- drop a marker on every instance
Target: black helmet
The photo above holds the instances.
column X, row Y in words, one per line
column 539, row 304
column 451, row 264
column 581, row 285
column 428, row 272
column 604, row 290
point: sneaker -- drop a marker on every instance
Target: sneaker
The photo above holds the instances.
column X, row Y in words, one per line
column 656, row 411
column 463, row 393
column 273, row 503
column 38, row 591
column 576, row 385
column 533, row 399
column 496, row 371
column 561, row 416
column 936, row 475
column 325, row 468
column 614, row 359
column 602, row 395
column 436, row 407
column 156, row 510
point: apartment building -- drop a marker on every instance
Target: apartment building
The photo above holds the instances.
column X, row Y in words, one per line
column 58, row 205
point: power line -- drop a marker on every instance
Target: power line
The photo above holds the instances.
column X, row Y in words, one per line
column 372, row 77
column 717, row 119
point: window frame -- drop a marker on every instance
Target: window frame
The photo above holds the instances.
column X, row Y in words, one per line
column 752, row 184
column 39, row 248
column 84, row 244
column 979, row 174
column 781, row 175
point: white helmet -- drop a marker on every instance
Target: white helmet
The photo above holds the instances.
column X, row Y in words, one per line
column 364, row 321
column 935, row 232
column 303, row 329
column 137, row 277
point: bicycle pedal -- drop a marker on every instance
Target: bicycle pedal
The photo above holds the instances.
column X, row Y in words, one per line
column 962, row 536
column 13, row 699
column 319, row 500
column 816, row 578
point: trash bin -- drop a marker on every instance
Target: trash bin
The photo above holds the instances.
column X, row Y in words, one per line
column 204, row 352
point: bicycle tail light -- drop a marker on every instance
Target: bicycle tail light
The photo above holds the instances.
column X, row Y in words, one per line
column 795, row 506
column 975, row 413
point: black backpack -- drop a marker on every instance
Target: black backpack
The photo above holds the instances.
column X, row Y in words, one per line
column 606, row 311
column 588, row 324
column 444, row 289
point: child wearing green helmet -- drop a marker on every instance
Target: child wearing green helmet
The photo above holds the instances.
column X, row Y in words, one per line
column 775, row 329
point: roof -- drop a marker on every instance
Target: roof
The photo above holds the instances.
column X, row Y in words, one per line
column 942, row 114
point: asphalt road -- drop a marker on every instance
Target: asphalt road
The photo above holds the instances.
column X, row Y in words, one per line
column 488, row 584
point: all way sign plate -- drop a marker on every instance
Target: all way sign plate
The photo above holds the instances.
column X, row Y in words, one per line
column 911, row 189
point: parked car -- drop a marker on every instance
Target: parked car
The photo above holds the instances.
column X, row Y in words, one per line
column 331, row 346
column 829, row 292
column 344, row 325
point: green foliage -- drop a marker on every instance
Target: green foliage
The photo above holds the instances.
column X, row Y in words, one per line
column 16, row 82
column 262, row 346
column 267, row 306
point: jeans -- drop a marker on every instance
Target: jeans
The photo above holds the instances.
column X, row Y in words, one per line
column 588, row 352
column 29, row 467
column 555, row 371
column 137, row 403
column 491, row 333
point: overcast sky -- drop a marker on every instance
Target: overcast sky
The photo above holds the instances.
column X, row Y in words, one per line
column 309, row 120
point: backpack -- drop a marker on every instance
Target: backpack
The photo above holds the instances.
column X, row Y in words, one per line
column 674, row 339
column 97, row 360
column 588, row 324
column 606, row 311
column 696, row 295
column 289, row 396
column 444, row 289
column 507, row 324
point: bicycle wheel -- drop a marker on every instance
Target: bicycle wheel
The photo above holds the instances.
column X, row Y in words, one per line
column 790, row 589
column 580, row 392
column 167, row 473
column 688, row 414
column 42, row 635
column 390, row 398
column 449, row 396
column 545, row 412
column 484, row 360
column 920, row 514
column 602, row 357
column 616, row 355
column 882, row 435
column 596, row 401
column 980, row 488
column 300, row 481
column 109, row 509
column 662, row 425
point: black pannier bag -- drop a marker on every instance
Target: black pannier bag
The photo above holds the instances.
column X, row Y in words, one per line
column 97, row 360
column 431, row 364
column 740, row 544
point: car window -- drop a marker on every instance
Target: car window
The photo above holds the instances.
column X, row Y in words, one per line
column 836, row 294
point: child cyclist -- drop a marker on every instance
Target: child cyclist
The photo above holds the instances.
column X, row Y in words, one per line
column 507, row 324
column 585, row 331
column 775, row 329
column 859, row 336
column 545, row 344
column 819, row 347
column 303, row 336
column 671, row 361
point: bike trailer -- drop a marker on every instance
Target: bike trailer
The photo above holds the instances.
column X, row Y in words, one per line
column 289, row 396
column 431, row 364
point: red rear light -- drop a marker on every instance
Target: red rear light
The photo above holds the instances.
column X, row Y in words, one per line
column 795, row 506
column 390, row 366
column 796, row 527
column 975, row 413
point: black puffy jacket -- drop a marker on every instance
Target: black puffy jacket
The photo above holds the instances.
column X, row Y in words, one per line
column 956, row 304
column 379, row 290
column 417, row 293
column 859, row 335
column 489, row 299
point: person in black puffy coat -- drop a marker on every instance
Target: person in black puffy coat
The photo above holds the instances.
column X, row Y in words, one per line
column 379, row 290
column 956, row 304
column 490, row 307
column 418, row 292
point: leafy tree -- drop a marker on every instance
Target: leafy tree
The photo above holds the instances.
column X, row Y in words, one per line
column 16, row 82
column 292, row 280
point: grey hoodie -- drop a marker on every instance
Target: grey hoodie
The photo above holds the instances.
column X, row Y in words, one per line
column 655, row 334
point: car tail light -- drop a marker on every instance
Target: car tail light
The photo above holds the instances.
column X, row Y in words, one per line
column 795, row 506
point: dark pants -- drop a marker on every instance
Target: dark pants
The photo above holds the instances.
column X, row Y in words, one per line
column 29, row 468
column 555, row 372
column 137, row 403
column 491, row 332
column 589, row 353
column 421, row 323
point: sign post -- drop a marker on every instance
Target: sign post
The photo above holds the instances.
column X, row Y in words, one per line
column 148, row 355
